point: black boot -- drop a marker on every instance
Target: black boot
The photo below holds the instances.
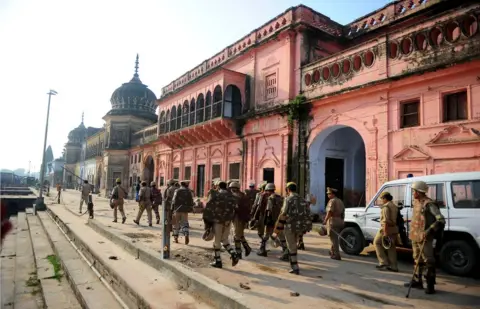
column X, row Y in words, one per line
column 217, row 263
column 247, row 248
column 233, row 254
column 262, row 251
column 238, row 248
column 430, row 278
column 416, row 282
column 294, row 264
column 285, row 255
column 301, row 246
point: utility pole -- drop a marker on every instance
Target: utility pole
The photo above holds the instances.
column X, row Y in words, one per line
column 39, row 204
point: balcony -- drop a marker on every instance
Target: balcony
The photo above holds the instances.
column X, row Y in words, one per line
column 145, row 136
column 204, row 119
column 437, row 43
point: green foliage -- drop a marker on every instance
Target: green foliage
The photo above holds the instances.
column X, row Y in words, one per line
column 53, row 259
column 296, row 109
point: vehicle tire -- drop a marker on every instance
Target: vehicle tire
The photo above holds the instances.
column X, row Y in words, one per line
column 354, row 236
column 457, row 257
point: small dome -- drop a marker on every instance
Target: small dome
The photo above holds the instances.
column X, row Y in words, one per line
column 77, row 135
column 133, row 96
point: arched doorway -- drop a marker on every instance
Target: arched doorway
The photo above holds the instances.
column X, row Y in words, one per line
column 337, row 159
column 232, row 106
column 148, row 170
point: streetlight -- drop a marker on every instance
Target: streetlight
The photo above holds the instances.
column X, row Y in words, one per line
column 39, row 204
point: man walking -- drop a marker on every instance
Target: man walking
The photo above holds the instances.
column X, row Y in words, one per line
column 242, row 216
column 118, row 199
column 268, row 211
column 144, row 203
column 387, row 258
column 156, row 200
column 86, row 190
column 182, row 204
column 334, row 222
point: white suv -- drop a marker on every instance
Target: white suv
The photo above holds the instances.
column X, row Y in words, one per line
column 458, row 195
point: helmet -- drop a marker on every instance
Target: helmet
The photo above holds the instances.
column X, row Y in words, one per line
column 420, row 186
column 322, row 231
column 262, row 185
column 234, row 184
column 251, row 184
column 153, row 183
column 208, row 235
column 171, row 182
column 270, row 186
column 118, row 180
column 387, row 242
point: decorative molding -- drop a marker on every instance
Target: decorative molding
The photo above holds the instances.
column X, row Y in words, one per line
column 176, row 157
column 411, row 153
column 455, row 135
column 201, row 154
column 216, row 153
column 268, row 154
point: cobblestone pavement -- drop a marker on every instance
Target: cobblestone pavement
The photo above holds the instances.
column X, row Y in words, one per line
column 351, row 283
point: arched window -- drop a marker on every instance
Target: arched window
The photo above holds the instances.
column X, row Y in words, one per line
column 200, row 108
column 185, row 114
column 217, row 102
column 232, row 106
column 192, row 113
column 208, row 106
column 179, row 116
column 167, row 121
column 173, row 116
column 162, row 122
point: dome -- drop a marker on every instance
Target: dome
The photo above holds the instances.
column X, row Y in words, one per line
column 133, row 98
column 78, row 135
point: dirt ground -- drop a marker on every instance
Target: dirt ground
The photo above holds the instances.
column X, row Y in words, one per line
column 351, row 283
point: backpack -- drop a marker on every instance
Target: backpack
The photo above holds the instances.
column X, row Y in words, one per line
column 299, row 217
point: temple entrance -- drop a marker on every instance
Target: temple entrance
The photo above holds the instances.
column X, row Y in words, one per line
column 337, row 160
column 148, row 170
column 200, row 180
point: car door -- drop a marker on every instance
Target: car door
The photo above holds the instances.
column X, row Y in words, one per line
column 372, row 215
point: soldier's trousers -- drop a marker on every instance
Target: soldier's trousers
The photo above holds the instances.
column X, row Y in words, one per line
column 387, row 257
column 118, row 207
column 222, row 232
column 155, row 210
column 264, row 231
column 239, row 236
column 333, row 233
column 141, row 209
column 291, row 239
column 180, row 221
column 427, row 257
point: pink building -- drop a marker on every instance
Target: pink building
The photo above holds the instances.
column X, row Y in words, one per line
column 305, row 99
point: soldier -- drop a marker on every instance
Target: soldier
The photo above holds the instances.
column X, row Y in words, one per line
column 182, row 204
column 251, row 193
column 59, row 192
column 255, row 205
column 427, row 220
column 242, row 216
column 156, row 200
column 168, row 196
column 294, row 220
column 388, row 222
column 144, row 203
column 267, row 212
column 118, row 198
column 334, row 221
column 86, row 190
column 214, row 188
column 219, row 213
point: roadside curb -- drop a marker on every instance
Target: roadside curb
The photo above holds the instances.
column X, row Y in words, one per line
column 197, row 284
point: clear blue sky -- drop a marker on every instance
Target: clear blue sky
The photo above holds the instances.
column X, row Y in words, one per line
column 86, row 49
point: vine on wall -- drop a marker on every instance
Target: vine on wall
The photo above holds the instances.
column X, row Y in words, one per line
column 296, row 110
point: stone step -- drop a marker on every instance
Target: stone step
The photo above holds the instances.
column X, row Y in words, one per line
column 138, row 284
column 57, row 293
column 7, row 267
column 91, row 293
column 27, row 288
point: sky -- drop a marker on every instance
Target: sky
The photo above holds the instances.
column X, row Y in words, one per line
column 86, row 49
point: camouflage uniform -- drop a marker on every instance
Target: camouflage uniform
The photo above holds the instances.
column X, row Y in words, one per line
column 144, row 203
column 86, row 190
column 118, row 199
column 335, row 223
column 426, row 219
column 168, row 196
column 182, row 204
column 242, row 216
column 294, row 220
column 268, row 211
column 256, row 203
column 219, row 213
column 156, row 200
column 213, row 189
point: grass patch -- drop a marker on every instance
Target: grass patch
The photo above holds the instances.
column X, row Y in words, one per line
column 57, row 267
column 32, row 281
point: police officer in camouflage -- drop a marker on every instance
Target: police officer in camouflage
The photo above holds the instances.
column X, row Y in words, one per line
column 168, row 196
column 256, row 203
column 156, row 200
column 144, row 203
column 242, row 216
column 426, row 221
column 267, row 212
column 214, row 187
column 251, row 193
column 294, row 220
column 182, row 204
column 219, row 213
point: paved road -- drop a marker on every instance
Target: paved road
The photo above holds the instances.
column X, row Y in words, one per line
column 351, row 283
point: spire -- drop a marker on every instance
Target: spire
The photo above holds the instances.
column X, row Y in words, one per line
column 83, row 114
column 136, row 78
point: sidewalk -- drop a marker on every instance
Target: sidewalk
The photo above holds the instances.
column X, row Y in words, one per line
column 350, row 283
